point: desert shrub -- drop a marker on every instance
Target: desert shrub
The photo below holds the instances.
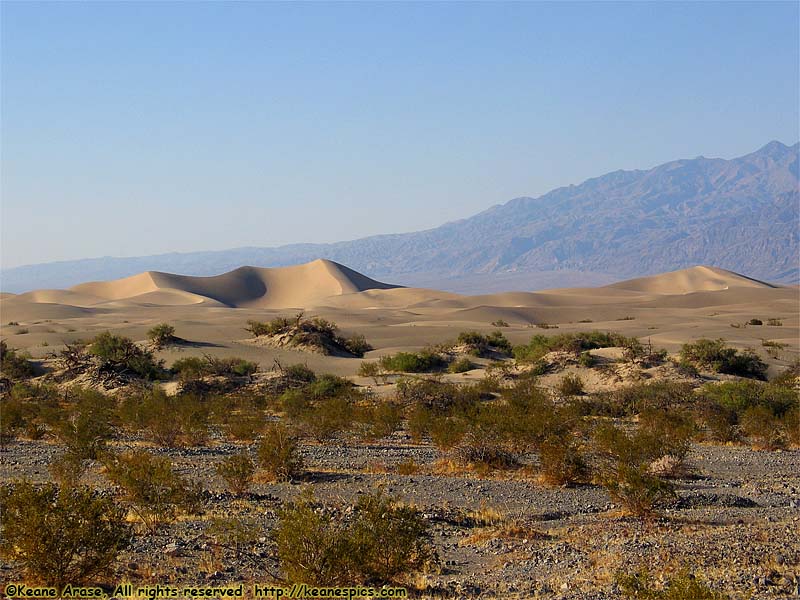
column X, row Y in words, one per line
column 561, row 462
column 569, row 342
column 436, row 394
column 382, row 542
column 624, row 470
column 15, row 365
column 755, row 322
column 237, row 471
column 148, row 483
column 357, row 345
column 484, row 345
column 314, row 332
column 278, row 453
column 761, row 425
column 67, row 469
column 87, row 425
column 423, row 361
column 244, row 426
column 663, row 395
column 570, row 385
column 275, row 326
column 190, row 367
column 193, row 367
column 683, row 586
column 372, row 370
column 121, row 355
column 774, row 322
column 61, row 535
column 500, row 323
column 585, row 359
column 381, row 419
column 461, row 365
column 715, row 355
column 389, row 540
column 300, row 373
column 327, row 417
column 230, row 367
column 170, row 421
column 328, row 386
column 161, row 335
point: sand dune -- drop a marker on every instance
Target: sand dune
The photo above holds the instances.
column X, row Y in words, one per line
column 247, row 287
column 687, row 281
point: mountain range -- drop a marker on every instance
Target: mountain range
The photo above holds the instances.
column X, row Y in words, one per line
column 740, row 214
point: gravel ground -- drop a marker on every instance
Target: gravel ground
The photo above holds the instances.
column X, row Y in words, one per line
column 735, row 523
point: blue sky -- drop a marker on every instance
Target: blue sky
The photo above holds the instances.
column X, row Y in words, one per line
column 140, row 128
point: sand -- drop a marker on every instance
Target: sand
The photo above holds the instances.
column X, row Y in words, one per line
column 669, row 309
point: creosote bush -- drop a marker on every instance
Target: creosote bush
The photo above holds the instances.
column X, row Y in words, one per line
column 61, row 535
column 121, row 355
column 482, row 345
column 423, row 361
column 461, row 365
column 193, row 367
column 161, row 335
column 570, row 342
column 683, row 586
column 380, row 543
column 316, row 332
column 716, row 356
column 237, row 471
column 278, row 452
column 150, row 486
column 570, row 385
column 15, row 365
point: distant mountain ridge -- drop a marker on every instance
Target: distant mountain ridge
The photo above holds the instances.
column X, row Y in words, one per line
column 740, row 214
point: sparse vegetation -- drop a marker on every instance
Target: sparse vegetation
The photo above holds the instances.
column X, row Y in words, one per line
column 569, row 342
column 315, row 333
column 716, row 356
column 237, row 470
column 161, row 335
column 683, row 586
column 423, row 361
column 278, row 454
column 15, row 365
column 381, row 543
column 61, row 535
column 150, row 486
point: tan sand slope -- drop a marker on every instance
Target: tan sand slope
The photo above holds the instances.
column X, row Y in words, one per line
column 688, row 281
column 252, row 287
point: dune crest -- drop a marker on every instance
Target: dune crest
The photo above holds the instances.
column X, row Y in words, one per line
column 688, row 281
column 246, row 287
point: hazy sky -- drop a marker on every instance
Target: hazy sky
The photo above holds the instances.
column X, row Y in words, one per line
column 140, row 128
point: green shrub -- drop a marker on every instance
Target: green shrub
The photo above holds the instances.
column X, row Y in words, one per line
column 761, row 425
column 586, row 360
column 381, row 420
column 244, row 426
column 372, row 370
column 570, row 385
column 569, row 342
column 561, row 462
column 461, row 365
column 755, row 322
column 66, row 535
column 624, row 469
column 683, row 586
column 237, row 471
column 381, row 543
column 716, row 356
column 153, row 490
column 161, row 335
column 170, row 421
column 67, row 470
column 327, row 417
column 300, row 373
column 485, row 345
column 121, row 355
column 87, row 425
column 14, row 365
column 278, row 453
column 423, row 361
column 314, row 332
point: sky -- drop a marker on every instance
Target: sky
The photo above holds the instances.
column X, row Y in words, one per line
column 137, row 128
